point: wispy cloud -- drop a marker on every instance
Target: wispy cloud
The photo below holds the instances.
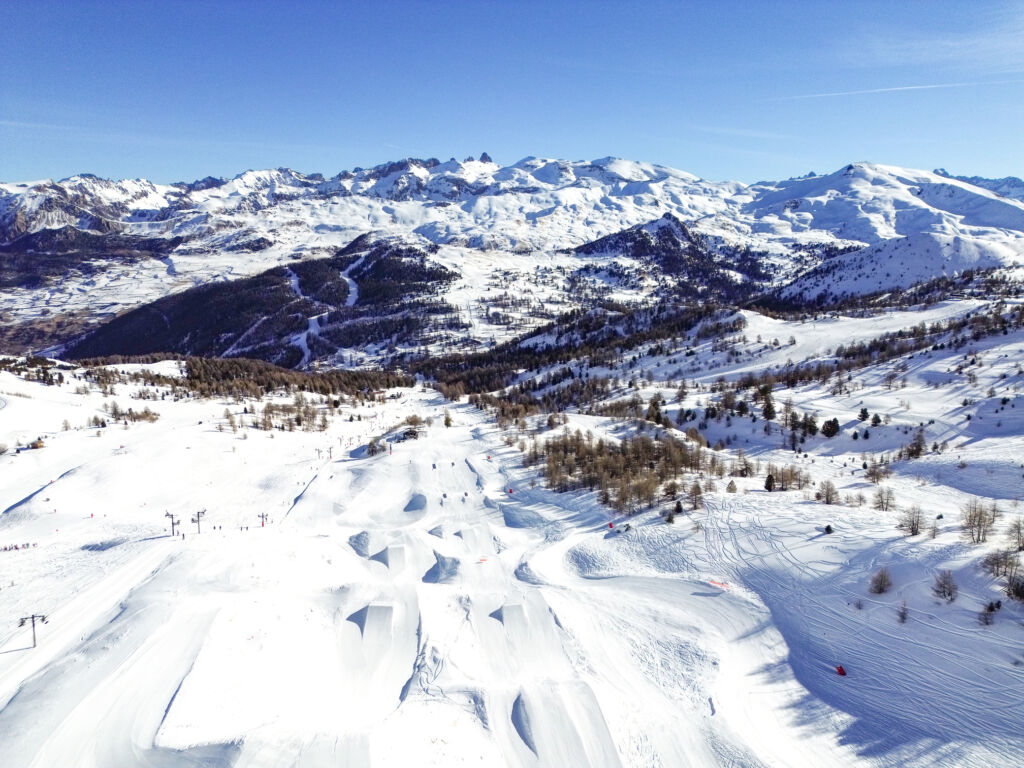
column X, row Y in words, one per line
column 991, row 43
column 894, row 89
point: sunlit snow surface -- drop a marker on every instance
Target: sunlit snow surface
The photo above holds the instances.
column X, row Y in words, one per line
column 431, row 606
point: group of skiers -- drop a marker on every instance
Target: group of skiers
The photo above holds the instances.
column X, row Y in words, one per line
column 16, row 547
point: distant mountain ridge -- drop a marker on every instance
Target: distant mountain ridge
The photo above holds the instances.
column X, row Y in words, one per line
column 519, row 242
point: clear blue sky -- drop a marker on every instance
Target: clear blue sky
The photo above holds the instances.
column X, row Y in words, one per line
column 727, row 90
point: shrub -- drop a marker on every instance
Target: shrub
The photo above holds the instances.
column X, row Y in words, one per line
column 902, row 612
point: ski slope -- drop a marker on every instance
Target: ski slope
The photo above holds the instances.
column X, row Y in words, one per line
column 428, row 606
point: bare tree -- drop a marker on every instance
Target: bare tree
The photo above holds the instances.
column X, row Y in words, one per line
column 829, row 492
column 944, row 586
column 978, row 519
column 876, row 472
column 884, row 500
column 1016, row 533
column 911, row 520
column 696, row 496
column 881, row 581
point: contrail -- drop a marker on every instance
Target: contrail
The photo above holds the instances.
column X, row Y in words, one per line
column 892, row 90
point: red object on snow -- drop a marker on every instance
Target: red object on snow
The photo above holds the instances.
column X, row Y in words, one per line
column 840, row 671
column 611, row 525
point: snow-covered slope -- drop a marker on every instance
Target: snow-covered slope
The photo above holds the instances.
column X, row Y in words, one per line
column 1008, row 186
column 915, row 226
column 436, row 605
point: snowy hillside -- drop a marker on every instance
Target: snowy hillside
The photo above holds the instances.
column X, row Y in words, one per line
column 447, row 599
column 80, row 251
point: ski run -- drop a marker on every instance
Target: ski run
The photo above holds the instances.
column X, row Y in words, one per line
column 433, row 603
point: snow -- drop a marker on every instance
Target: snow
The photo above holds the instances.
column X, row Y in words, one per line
column 435, row 605
column 904, row 226
column 353, row 289
column 407, row 609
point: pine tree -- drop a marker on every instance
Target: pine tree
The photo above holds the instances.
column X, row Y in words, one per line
column 830, row 428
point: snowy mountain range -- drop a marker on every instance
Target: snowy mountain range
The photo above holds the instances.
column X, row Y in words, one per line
column 516, row 246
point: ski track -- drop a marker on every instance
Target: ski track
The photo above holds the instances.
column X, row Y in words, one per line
column 353, row 288
column 408, row 609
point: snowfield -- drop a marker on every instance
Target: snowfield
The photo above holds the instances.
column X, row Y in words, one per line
column 435, row 605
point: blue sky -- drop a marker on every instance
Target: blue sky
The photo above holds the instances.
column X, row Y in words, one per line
column 726, row 90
